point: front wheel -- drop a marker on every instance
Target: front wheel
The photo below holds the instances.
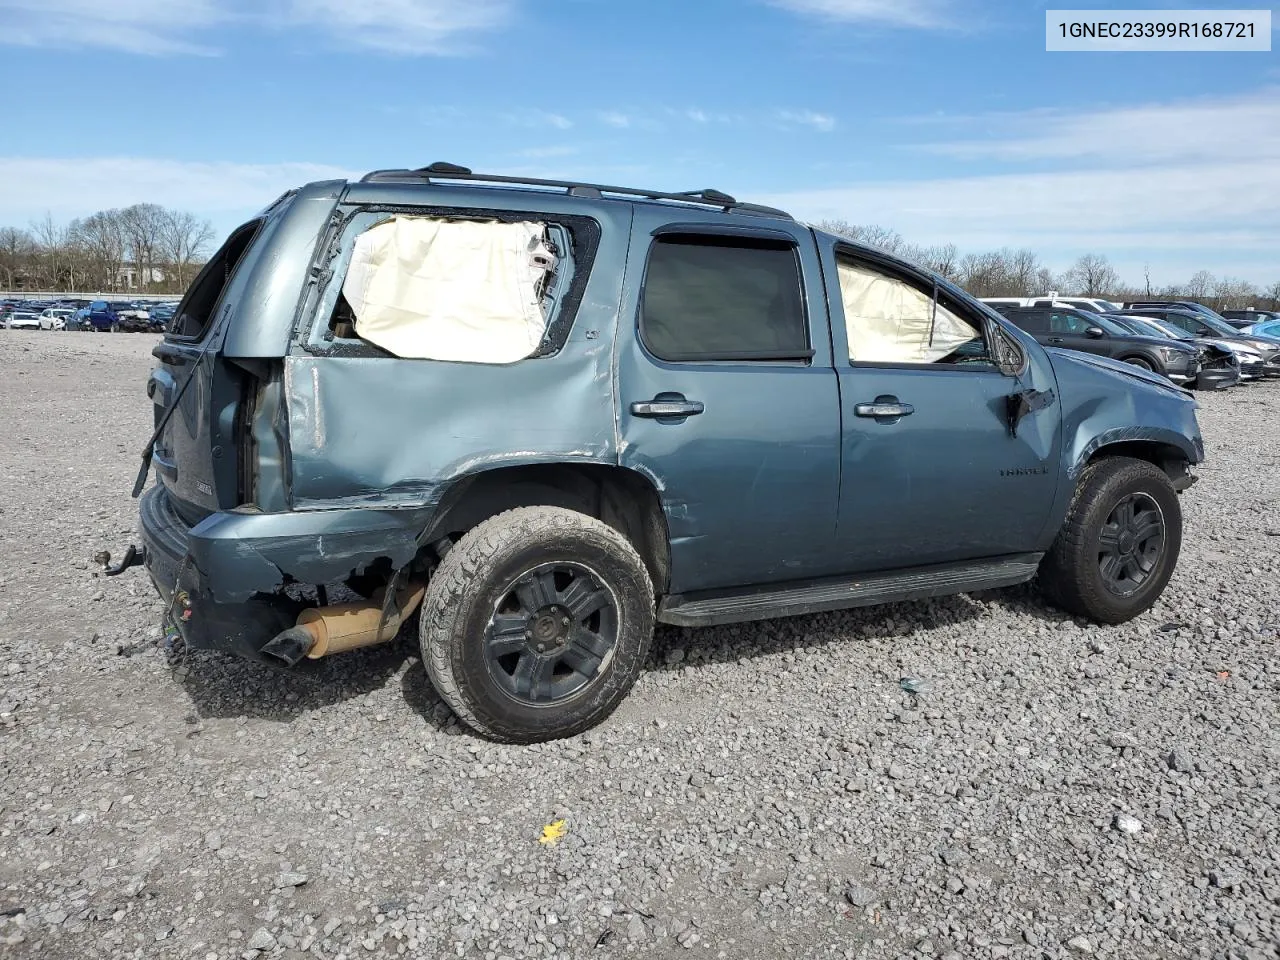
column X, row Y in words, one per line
column 537, row 623
column 1140, row 363
column 115, row 328
column 1118, row 547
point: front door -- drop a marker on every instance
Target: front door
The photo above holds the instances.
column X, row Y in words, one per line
column 727, row 399
column 932, row 470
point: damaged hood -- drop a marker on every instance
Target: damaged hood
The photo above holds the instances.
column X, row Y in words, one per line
column 1060, row 356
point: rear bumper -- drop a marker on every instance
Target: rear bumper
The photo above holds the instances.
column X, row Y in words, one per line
column 223, row 580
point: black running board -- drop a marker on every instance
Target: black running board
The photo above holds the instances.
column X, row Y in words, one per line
column 708, row 608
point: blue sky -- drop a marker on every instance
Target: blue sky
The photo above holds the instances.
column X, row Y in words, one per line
column 944, row 119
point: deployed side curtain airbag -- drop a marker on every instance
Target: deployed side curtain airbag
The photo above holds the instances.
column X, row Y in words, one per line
column 450, row 290
column 889, row 321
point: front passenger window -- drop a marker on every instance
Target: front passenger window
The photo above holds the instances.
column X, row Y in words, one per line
column 888, row 320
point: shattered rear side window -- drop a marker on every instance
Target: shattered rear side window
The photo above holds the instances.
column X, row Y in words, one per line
column 463, row 290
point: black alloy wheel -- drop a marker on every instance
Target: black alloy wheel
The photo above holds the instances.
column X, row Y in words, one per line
column 551, row 632
column 1130, row 543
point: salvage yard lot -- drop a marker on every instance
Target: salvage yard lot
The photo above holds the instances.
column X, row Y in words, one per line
column 766, row 786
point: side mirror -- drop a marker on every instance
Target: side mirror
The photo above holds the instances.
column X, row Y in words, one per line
column 1095, row 333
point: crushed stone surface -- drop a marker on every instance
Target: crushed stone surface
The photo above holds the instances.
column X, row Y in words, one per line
column 1052, row 789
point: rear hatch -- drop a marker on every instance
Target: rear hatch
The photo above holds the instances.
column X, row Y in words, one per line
column 197, row 452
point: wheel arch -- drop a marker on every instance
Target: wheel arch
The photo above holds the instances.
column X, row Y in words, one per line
column 622, row 498
column 1168, row 456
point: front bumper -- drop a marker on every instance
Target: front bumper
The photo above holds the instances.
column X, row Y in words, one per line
column 223, row 580
column 1252, row 370
column 1216, row 378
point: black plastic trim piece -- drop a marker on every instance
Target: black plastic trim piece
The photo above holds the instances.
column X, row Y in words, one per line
column 708, row 608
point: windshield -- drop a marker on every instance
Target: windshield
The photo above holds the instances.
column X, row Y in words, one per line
column 1169, row 329
column 1214, row 322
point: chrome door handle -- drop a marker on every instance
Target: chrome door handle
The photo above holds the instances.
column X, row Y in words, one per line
column 884, row 410
column 666, row 408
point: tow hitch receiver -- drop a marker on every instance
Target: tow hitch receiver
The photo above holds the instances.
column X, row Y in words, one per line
column 133, row 557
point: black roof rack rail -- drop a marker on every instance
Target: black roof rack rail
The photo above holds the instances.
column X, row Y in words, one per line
column 451, row 171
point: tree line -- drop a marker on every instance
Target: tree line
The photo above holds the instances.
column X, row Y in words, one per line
column 1019, row 273
column 158, row 249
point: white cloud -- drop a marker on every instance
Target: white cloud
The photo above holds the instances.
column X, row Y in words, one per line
column 546, row 153
column 1220, row 215
column 1183, row 185
column 822, row 122
column 161, row 27
column 1241, row 126
column 224, row 192
column 133, row 26
column 402, row 26
column 614, row 118
column 539, row 118
column 899, row 13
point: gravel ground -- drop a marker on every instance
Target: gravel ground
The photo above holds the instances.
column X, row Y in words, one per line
column 1051, row 789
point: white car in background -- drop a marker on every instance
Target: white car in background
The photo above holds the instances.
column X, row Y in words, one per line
column 55, row 318
column 24, row 320
column 1091, row 304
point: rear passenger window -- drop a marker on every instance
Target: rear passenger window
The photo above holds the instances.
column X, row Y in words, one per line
column 723, row 298
column 1032, row 321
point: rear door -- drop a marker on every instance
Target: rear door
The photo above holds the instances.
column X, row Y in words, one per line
column 196, row 455
column 727, row 399
column 931, row 469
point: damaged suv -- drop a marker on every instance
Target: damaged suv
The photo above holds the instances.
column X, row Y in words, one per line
column 542, row 415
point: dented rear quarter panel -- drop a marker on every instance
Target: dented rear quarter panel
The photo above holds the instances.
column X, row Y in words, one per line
column 382, row 431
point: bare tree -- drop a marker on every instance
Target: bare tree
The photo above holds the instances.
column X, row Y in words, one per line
column 1198, row 286
column 184, row 241
column 1091, row 276
column 1232, row 294
column 882, row 238
column 1273, row 294
column 16, row 251
column 103, row 241
column 143, row 225
column 943, row 259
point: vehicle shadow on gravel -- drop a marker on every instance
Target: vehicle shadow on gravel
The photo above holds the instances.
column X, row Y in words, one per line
column 226, row 686
column 675, row 648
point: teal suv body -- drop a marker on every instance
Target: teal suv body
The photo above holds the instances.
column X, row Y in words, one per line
column 720, row 415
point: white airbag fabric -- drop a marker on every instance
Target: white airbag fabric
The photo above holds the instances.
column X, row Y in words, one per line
column 467, row 291
column 888, row 321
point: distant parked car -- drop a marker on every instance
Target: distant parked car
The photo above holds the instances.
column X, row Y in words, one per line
column 1091, row 333
column 1246, row 320
column 55, row 318
column 1202, row 325
column 1220, row 362
column 115, row 316
column 23, row 320
column 1092, row 304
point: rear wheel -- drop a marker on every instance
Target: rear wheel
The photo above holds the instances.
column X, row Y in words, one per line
column 1119, row 544
column 537, row 623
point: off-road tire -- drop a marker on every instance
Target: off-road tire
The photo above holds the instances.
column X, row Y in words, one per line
column 1069, row 575
column 471, row 579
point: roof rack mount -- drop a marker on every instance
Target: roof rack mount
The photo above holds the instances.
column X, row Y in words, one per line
column 451, row 171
